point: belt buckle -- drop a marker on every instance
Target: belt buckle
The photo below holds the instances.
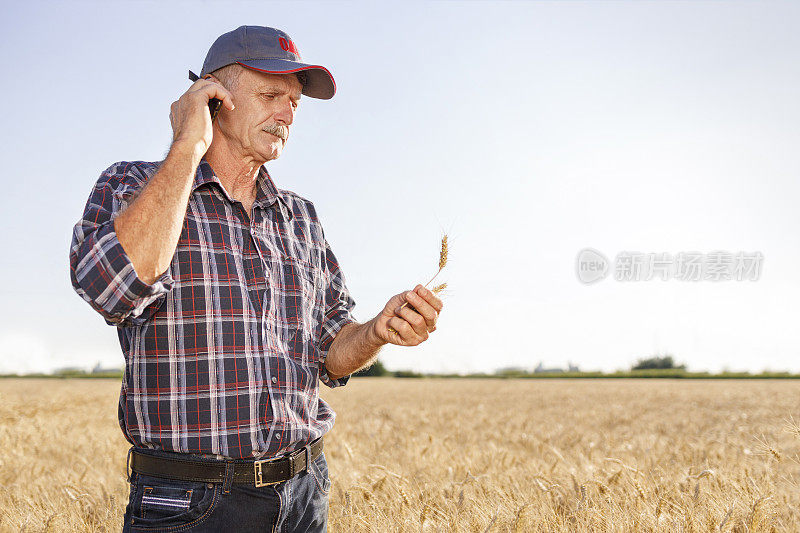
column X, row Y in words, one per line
column 290, row 456
column 257, row 472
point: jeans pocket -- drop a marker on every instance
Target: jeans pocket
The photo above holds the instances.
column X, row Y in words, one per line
column 319, row 470
column 162, row 504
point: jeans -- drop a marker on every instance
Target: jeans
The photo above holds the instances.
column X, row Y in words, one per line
column 298, row 505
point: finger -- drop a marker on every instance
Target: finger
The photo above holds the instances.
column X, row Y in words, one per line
column 407, row 335
column 429, row 297
column 421, row 310
column 393, row 336
column 422, row 297
column 214, row 89
column 416, row 320
column 221, row 93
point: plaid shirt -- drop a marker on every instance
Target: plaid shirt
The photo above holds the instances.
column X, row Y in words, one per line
column 224, row 351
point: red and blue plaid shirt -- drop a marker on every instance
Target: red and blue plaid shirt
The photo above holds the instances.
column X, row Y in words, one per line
column 224, row 352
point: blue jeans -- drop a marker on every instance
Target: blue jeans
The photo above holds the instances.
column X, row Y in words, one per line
column 298, row 505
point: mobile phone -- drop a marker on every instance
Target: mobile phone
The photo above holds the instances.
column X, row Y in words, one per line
column 213, row 104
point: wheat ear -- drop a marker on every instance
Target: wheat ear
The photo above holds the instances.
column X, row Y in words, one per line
column 439, row 288
column 442, row 263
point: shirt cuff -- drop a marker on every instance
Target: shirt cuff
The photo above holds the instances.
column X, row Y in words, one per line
column 331, row 329
column 125, row 296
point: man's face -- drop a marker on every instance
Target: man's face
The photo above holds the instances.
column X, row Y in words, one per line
column 265, row 108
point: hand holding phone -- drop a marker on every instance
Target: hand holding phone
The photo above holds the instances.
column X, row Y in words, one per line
column 190, row 122
column 213, row 104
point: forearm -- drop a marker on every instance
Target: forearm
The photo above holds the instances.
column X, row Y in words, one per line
column 149, row 228
column 354, row 347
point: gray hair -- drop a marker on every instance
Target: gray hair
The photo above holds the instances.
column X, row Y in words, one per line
column 229, row 76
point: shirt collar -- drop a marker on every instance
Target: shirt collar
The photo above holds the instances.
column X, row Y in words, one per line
column 266, row 191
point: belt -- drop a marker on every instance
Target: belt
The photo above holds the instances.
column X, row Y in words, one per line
column 258, row 472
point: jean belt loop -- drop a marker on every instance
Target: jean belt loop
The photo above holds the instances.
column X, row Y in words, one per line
column 226, row 485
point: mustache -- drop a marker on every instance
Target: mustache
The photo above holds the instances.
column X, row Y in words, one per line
column 278, row 131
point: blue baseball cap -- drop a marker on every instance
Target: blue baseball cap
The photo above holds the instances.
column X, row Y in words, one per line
column 271, row 51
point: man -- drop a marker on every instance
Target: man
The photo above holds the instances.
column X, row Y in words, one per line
column 230, row 305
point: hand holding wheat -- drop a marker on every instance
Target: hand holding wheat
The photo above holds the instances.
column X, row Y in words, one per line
column 411, row 326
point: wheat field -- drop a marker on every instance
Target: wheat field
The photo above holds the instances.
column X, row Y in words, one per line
column 460, row 455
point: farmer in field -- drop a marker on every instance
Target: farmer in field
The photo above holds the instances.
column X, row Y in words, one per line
column 229, row 304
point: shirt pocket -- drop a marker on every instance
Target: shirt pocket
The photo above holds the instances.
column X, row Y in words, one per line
column 303, row 299
column 305, row 296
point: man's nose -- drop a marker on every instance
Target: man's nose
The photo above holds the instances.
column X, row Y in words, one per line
column 285, row 113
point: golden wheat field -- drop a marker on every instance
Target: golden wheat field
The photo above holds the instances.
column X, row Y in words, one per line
column 460, row 455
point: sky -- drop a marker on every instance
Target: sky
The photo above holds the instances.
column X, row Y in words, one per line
column 526, row 131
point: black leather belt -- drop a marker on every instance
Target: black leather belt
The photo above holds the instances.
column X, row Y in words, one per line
column 258, row 472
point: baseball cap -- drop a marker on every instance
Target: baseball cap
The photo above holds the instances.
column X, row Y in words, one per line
column 271, row 51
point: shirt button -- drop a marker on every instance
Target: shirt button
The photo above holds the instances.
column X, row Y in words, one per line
column 274, row 379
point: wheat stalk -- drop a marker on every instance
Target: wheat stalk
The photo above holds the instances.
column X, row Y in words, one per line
column 442, row 264
column 766, row 449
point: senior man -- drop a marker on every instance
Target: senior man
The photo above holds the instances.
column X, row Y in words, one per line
column 229, row 304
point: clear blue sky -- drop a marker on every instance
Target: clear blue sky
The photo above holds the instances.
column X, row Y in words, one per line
column 528, row 131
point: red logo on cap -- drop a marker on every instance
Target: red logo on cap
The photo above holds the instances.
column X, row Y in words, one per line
column 288, row 45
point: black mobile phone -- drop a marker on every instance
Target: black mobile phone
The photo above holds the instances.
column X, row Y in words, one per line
column 213, row 104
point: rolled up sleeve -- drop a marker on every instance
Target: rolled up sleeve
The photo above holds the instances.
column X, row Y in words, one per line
column 338, row 313
column 100, row 270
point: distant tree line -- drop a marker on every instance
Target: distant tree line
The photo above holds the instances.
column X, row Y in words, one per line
column 657, row 363
column 659, row 366
column 665, row 362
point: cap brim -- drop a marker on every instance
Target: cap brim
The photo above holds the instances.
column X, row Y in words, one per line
column 320, row 83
